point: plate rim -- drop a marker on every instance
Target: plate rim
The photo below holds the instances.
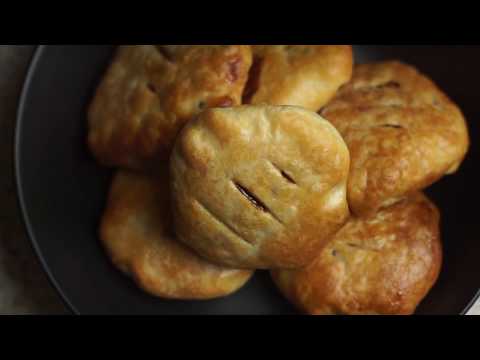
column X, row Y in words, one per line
column 28, row 228
column 18, row 127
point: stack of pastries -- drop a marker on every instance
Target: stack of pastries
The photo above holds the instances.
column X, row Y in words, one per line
column 286, row 158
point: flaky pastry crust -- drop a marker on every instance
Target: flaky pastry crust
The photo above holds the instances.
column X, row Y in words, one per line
column 253, row 185
column 137, row 232
column 381, row 265
column 402, row 131
column 307, row 76
column 150, row 91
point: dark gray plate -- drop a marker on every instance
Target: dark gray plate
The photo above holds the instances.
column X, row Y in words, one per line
column 62, row 191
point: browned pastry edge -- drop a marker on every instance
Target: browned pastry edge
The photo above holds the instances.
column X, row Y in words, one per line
column 403, row 133
column 150, row 91
column 234, row 200
column 307, row 76
column 137, row 233
column 381, row 265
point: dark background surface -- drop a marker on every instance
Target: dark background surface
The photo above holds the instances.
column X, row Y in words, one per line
column 24, row 288
column 64, row 190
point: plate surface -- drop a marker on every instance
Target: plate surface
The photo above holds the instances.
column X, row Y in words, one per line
column 62, row 191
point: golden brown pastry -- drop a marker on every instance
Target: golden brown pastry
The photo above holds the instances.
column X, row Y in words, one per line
column 150, row 91
column 252, row 185
column 137, row 233
column 300, row 75
column 381, row 265
column 403, row 133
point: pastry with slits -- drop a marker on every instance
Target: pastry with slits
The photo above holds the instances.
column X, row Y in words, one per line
column 307, row 76
column 137, row 233
column 150, row 91
column 380, row 265
column 254, row 186
column 403, row 133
